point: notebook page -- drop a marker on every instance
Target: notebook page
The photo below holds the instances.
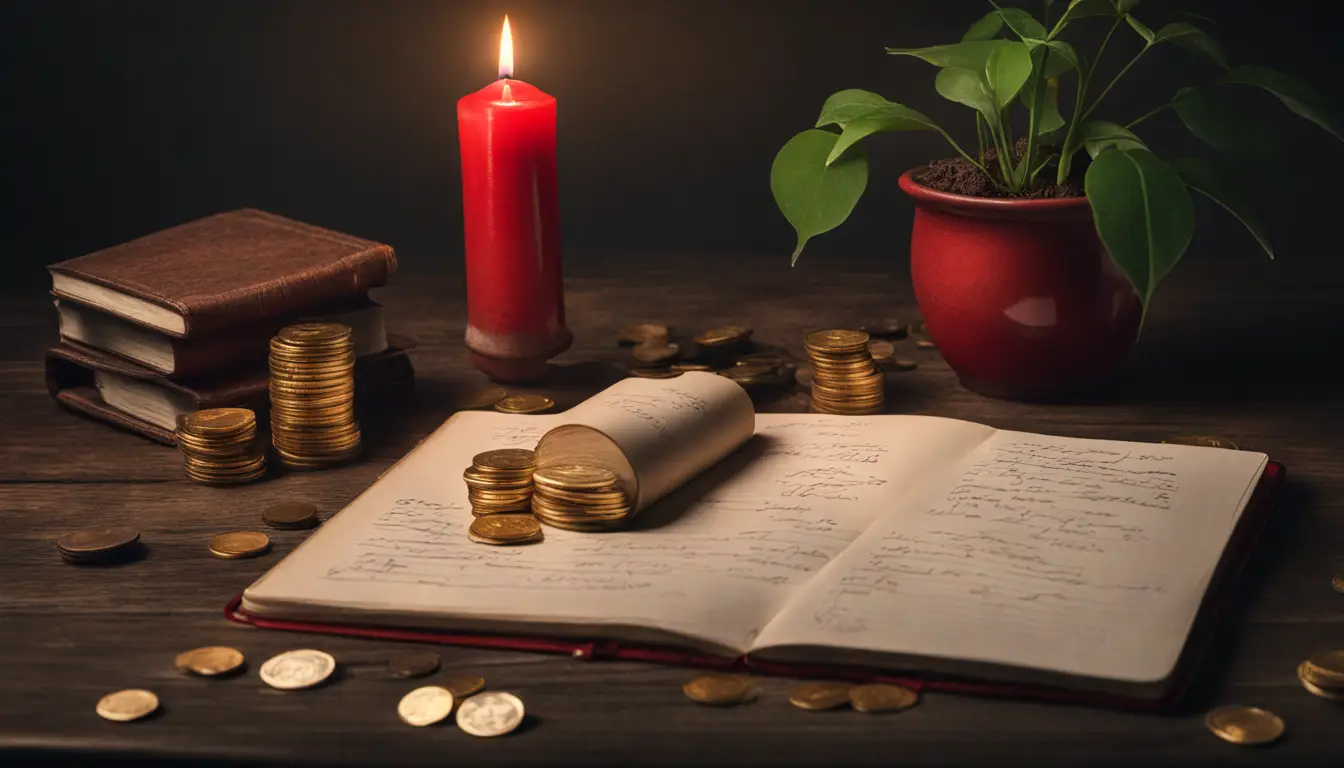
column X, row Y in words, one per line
column 715, row 560
column 1083, row 557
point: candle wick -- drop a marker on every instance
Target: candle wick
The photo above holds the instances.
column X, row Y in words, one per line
column 508, row 92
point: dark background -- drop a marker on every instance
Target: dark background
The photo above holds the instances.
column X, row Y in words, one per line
column 131, row 116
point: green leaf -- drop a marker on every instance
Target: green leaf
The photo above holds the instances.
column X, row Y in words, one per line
column 986, row 28
column 1217, row 184
column 895, row 117
column 969, row 55
column 1023, row 24
column 844, row 107
column 1048, row 119
column 966, row 87
column 1125, row 6
column 1097, row 136
column 1143, row 213
column 813, row 196
column 1063, row 58
column 1211, row 116
column 1141, row 28
column 1006, row 70
column 1297, row 96
column 1079, row 9
column 1193, row 39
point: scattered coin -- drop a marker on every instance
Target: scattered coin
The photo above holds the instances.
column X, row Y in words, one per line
column 425, row 706
column 882, row 697
column 925, row 344
column 721, row 337
column 493, row 713
column 524, row 404
column 239, row 544
column 819, row 696
column 293, row 670
column 688, row 367
column 413, row 663
column 720, row 690
column 290, row 515
column 98, row 545
column 644, row 333
column 881, row 350
column 1204, row 441
column 210, row 661
column 463, row 686
column 890, row 328
column 1248, row 726
column 505, row 529
column 655, row 353
column 125, row 706
column 483, row 398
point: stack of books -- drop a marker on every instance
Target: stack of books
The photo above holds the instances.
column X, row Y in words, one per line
column 181, row 320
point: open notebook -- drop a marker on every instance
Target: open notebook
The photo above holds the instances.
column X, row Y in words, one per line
column 910, row 543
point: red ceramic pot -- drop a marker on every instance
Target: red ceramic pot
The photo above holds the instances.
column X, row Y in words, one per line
column 1019, row 295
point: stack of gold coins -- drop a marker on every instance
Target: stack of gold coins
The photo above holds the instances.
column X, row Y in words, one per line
column 579, row 497
column 313, row 395
column 220, row 446
column 1323, row 674
column 844, row 378
column 500, row 481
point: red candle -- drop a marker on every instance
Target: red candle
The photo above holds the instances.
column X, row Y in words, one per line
column 515, row 298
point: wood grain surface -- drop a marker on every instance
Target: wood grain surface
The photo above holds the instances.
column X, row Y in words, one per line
column 1241, row 350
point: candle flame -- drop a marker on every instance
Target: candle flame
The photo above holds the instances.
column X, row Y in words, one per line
column 506, row 51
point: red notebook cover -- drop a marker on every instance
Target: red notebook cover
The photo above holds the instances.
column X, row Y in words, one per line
column 1217, row 599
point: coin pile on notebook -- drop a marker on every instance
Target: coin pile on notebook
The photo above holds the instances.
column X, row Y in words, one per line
column 845, row 380
column 313, row 395
column 220, row 446
column 500, row 481
column 579, row 497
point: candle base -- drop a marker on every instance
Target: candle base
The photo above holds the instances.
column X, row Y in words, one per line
column 515, row 358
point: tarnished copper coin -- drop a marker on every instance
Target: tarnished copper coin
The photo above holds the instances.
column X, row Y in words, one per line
column 882, row 697
column 413, row 663
column 239, row 544
column 720, row 690
column 98, row 544
column 463, row 686
column 819, row 696
column 290, row 515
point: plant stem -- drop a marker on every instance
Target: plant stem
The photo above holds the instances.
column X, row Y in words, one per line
column 1002, row 151
column 1115, row 80
column 1145, row 116
column 1066, row 151
column 980, row 135
column 1037, row 91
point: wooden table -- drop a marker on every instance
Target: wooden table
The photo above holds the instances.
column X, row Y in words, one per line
column 1230, row 349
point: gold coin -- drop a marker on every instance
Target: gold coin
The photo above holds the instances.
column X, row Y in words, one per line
column 688, row 367
column 880, row 350
column 211, row 661
column 493, row 713
column 524, row 404
column 643, row 333
column 836, row 341
column 425, row 706
column 1247, row 726
column 463, row 686
column 573, row 477
column 125, row 706
column 718, row 337
column 483, row 398
column 890, row 328
column 238, row 544
column 925, row 344
column 290, row 515
column 1331, row 694
column 655, row 353
column 314, row 334
column 506, row 459
column 506, row 529
column 720, row 690
column 1204, row 441
column 413, row 663
column 294, row 670
column 819, row 696
column 747, row 373
column 882, row 697
column 1327, row 668
column 97, row 543
column 655, row 373
column 218, row 420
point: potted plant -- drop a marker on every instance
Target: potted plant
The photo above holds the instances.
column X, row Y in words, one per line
column 1031, row 281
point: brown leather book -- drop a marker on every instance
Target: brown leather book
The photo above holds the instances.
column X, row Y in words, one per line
column 224, row 271
column 110, row 389
column 216, row 354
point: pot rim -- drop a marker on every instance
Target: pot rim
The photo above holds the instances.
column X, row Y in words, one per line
column 990, row 205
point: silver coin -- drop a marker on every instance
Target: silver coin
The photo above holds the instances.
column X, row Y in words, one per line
column 425, row 706
column 493, row 713
column 293, row 670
